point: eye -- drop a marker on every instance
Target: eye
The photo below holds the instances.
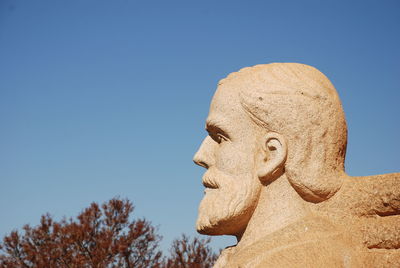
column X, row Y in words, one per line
column 218, row 137
column 218, row 134
column 221, row 138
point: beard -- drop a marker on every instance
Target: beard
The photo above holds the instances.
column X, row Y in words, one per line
column 227, row 209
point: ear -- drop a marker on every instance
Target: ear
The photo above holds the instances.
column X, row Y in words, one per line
column 273, row 158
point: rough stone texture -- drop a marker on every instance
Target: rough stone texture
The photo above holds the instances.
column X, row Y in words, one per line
column 275, row 177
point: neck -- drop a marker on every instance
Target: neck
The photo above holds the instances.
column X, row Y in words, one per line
column 279, row 205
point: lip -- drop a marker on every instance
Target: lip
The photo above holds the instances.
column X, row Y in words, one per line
column 209, row 184
column 208, row 190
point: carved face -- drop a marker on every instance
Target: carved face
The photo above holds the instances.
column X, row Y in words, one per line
column 228, row 154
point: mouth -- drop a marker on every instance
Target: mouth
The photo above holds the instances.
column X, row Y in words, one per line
column 210, row 184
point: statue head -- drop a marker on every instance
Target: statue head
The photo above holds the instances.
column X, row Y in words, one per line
column 280, row 120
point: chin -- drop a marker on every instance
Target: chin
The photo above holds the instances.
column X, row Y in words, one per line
column 204, row 226
column 218, row 216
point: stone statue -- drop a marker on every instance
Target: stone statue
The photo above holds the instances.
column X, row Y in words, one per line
column 275, row 177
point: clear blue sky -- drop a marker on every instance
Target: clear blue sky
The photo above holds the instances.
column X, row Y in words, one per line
column 108, row 98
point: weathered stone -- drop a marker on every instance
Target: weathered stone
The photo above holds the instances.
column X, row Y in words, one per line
column 275, row 177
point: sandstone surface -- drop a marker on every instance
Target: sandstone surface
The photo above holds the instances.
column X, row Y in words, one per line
column 275, row 176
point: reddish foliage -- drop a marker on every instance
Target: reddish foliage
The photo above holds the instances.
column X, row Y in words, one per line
column 191, row 254
column 100, row 237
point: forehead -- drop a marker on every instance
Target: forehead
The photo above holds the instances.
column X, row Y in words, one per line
column 225, row 106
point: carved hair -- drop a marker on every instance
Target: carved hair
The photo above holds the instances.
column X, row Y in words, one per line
column 299, row 102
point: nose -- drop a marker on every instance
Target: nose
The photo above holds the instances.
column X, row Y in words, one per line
column 203, row 157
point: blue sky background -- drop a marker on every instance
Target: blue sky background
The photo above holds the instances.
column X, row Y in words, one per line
column 108, row 98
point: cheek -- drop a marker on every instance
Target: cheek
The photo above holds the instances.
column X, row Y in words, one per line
column 233, row 161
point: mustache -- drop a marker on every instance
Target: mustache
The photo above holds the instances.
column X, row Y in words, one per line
column 213, row 179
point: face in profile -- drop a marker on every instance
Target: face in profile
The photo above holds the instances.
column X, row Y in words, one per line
column 228, row 153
